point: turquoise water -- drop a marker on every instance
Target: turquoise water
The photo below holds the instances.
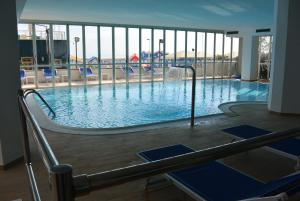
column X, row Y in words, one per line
column 137, row 104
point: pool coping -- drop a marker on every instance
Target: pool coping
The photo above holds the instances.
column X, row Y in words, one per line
column 46, row 123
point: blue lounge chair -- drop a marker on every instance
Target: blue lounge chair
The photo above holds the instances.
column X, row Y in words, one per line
column 289, row 148
column 89, row 73
column 215, row 181
column 148, row 69
column 130, row 70
column 22, row 75
column 47, row 72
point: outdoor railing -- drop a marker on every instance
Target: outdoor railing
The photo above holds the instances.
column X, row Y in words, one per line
column 66, row 187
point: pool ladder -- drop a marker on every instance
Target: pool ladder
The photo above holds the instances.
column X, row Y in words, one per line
column 33, row 91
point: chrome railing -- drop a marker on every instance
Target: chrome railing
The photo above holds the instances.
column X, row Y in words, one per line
column 60, row 176
column 66, row 187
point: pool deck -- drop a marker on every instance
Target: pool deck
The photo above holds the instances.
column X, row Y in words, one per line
column 90, row 154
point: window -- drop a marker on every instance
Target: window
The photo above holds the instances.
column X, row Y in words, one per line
column 210, row 55
column 219, row 56
column 133, row 53
column 106, row 53
column 146, row 54
column 76, row 55
column 200, row 55
column 26, row 59
column 91, row 54
column 180, row 48
column 120, row 54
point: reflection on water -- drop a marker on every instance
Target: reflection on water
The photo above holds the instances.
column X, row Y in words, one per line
column 121, row 105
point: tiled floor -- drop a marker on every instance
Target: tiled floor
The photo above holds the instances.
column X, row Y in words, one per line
column 90, row 154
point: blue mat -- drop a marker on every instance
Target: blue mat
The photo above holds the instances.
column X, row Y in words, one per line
column 290, row 146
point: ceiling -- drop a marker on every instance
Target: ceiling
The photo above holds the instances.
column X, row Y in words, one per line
column 203, row 14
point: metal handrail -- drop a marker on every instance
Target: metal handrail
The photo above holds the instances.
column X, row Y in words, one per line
column 86, row 183
column 60, row 176
column 44, row 148
column 193, row 92
column 33, row 91
column 66, row 187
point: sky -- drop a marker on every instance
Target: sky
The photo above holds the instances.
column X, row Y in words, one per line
column 91, row 40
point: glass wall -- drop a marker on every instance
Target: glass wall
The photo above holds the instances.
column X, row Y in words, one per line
column 201, row 64
column 62, row 55
column 219, row 56
column 146, row 55
column 191, row 51
column 169, row 53
column 265, row 57
column 227, row 57
column 106, row 54
column 76, row 55
column 60, row 49
column 133, row 53
column 158, row 52
column 180, row 48
column 120, row 54
column 210, row 53
column 46, row 74
column 26, row 58
column 91, row 54
column 170, row 47
column 235, row 56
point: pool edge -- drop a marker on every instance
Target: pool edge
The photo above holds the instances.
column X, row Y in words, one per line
column 50, row 125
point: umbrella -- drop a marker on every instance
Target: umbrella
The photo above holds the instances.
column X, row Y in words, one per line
column 134, row 58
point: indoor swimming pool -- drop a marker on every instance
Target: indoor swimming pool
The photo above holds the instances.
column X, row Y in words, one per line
column 122, row 105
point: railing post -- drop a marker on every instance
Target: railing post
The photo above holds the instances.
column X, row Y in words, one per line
column 26, row 149
column 25, row 140
column 61, row 179
column 193, row 97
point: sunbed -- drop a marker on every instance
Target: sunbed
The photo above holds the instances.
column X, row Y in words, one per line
column 215, row 181
column 289, row 148
column 148, row 68
column 130, row 70
column 22, row 75
column 47, row 72
column 89, row 73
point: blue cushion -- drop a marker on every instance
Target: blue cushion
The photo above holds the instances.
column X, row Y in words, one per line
column 246, row 131
column 165, row 152
column 22, row 74
column 290, row 146
column 215, row 181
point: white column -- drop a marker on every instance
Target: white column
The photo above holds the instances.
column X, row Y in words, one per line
column 284, row 94
column 249, row 54
column 10, row 143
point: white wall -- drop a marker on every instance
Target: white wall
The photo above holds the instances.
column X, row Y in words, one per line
column 285, row 73
column 10, row 144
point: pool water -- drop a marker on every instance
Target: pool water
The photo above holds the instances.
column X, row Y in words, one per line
column 137, row 104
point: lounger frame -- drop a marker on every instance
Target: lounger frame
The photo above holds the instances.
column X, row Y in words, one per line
column 197, row 197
